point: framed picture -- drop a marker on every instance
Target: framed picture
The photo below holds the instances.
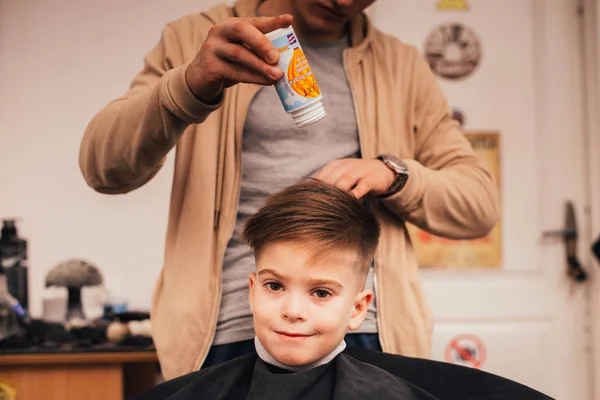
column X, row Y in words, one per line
column 486, row 252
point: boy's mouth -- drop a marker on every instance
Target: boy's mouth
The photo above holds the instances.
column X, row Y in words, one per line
column 293, row 335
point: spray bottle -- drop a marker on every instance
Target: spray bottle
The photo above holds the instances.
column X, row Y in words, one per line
column 13, row 259
column 298, row 90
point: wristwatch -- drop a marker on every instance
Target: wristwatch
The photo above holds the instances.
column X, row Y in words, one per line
column 399, row 168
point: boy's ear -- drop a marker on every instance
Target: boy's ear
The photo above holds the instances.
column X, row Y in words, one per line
column 251, row 280
column 359, row 312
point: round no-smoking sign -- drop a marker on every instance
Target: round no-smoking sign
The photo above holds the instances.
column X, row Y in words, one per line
column 465, row 350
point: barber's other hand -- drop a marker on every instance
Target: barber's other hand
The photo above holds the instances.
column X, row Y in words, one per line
column 235, row 51
column 360, row 176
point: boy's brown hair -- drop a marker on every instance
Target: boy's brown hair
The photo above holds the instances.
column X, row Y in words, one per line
column 319, row 216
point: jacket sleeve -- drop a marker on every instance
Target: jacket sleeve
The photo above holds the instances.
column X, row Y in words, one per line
column 449, row 192
column 126, row 143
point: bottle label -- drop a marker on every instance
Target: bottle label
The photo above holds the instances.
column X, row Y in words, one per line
column 298, row 87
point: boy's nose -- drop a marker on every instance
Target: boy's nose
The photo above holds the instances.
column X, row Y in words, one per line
column 293, row 309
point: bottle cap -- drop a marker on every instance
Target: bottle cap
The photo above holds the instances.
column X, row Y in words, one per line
column 309, row 114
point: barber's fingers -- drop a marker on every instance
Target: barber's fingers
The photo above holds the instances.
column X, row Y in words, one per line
column 236, row 50
column 333, row 171
column 361, row 189
column 269, row 24
column 251, row 33
column 238, row 73
column 346, row 174
column 360, row 176
column 345, row 182
column 240, row 57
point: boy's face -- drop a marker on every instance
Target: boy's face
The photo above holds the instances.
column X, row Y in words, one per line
column 302, row 311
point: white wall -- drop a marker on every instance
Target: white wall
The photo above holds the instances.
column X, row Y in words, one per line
column 592, row 42
column 60, row 62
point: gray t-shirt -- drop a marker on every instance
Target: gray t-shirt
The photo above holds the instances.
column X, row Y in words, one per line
column 276, row 154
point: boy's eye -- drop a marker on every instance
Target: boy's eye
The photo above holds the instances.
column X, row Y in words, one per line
column 274, row 286
column 320, row 293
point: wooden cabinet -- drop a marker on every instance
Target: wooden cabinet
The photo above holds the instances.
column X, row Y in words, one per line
column 79, row 376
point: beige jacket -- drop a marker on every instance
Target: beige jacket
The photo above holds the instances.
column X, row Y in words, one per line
column 400, row 110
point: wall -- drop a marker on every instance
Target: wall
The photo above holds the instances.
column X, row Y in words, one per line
column 592, row 48
column 61, row 61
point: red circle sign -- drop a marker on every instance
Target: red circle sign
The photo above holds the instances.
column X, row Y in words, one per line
column 467, row 350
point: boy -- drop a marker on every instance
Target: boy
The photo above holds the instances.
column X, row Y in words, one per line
column 313, row 245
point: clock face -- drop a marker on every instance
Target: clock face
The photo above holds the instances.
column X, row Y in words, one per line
column 452, row 50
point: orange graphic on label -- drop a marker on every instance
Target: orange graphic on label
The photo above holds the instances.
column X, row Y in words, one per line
column 300, row 76
column 7, row 392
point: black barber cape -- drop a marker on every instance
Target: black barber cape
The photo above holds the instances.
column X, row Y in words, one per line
column 355, row 374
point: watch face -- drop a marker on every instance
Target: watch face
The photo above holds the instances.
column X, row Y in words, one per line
column 396, row 164
column 401, row 171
